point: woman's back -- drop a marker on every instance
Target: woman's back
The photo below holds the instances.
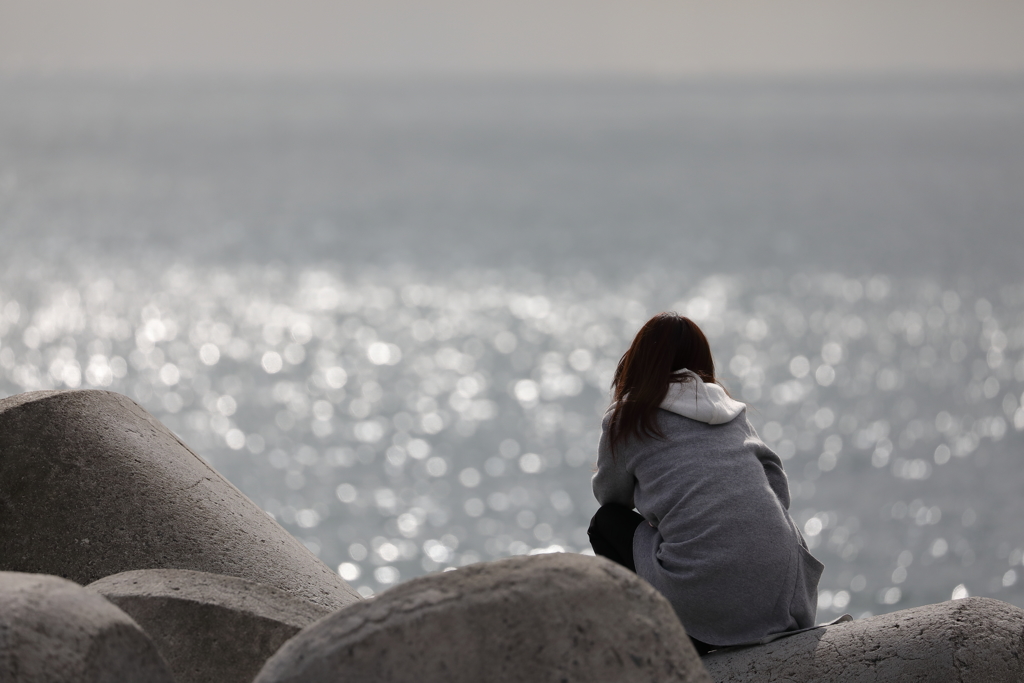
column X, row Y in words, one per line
column 719, row 542
column 713, row 532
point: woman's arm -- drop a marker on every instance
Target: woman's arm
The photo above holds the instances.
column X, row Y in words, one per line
column 612, row 482
column 772, row 465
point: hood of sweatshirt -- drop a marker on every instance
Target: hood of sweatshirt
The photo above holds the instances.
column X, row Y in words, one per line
column 701, row 401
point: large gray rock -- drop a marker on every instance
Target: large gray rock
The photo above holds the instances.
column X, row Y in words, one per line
column 973, row 640
column 209, row 627
column 55, row 631
column 563, row 618
column 93, row 485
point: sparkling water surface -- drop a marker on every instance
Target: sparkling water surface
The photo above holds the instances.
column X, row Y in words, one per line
column 406, row 399
column 400, row 424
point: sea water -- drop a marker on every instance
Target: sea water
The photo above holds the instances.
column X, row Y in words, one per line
column 390, row 315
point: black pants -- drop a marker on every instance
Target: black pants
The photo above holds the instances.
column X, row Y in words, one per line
column 611, row 534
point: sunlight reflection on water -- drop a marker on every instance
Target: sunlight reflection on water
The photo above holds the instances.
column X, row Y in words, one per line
column 400, row 423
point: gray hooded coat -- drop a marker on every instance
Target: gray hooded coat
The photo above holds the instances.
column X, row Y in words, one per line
column 719, row 542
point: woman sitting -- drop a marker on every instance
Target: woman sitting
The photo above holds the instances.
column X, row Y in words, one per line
column 713, row 533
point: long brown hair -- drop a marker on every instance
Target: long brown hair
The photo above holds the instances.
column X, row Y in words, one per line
column 666, row 344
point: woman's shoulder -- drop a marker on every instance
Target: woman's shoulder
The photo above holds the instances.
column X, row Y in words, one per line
column 735, row 435
column 674, row 420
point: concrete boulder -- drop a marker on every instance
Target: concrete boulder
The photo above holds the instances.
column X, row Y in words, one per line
column 93, row 485
column 209, row 627
column 973, row 640
column 560, row 617
column 55, row 631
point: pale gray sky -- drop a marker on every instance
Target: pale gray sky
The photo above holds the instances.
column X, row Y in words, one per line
column 531, row 37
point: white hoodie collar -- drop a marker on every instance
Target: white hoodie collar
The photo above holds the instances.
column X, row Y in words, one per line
column 701, row 401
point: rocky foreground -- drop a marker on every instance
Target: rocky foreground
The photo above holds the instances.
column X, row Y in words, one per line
column 125, row 557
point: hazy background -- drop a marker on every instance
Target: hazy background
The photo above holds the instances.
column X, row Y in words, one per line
column 458, row 37
column 376, row 261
